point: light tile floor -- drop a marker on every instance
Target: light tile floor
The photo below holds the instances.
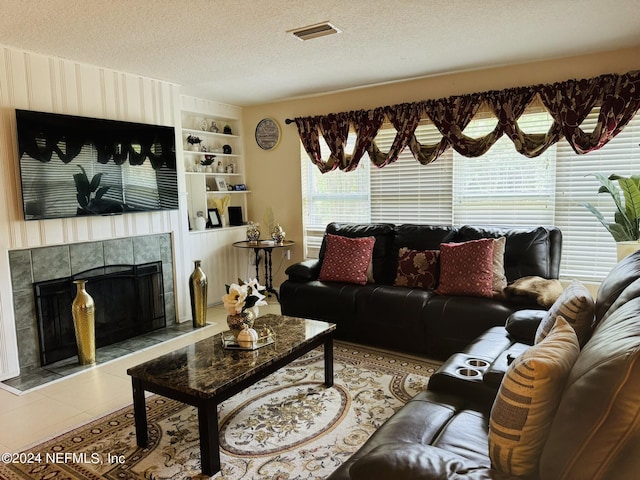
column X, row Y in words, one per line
column 53, row 408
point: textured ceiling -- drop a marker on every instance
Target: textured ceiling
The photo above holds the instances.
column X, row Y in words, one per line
column 239, row 51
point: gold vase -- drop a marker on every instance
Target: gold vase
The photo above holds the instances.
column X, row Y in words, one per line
column 239, row 321
column 198, row 292
column 83, row 311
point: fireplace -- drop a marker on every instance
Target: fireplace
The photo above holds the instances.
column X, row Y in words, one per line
column 142, row 264
column 128, row 301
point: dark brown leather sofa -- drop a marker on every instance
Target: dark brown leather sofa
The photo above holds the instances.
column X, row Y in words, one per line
column 442, row 433
column 413, row 319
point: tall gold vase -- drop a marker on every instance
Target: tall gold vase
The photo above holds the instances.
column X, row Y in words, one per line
column 83, row 312
column 198, row 293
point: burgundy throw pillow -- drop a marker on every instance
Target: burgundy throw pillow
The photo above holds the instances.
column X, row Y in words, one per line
column 467, row 268
column 346, row 259
column 417, row 268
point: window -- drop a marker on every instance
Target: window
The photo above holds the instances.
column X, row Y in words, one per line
column 588, row 250
column 332, row 197
column 501, row 187
column 408, row 192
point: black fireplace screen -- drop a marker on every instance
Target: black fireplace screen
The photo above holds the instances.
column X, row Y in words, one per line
column 129, row 302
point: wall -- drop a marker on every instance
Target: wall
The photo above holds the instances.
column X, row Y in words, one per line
column 274, row 176
column 36, row 82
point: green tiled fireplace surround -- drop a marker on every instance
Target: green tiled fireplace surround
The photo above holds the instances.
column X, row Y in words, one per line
column 50, row 263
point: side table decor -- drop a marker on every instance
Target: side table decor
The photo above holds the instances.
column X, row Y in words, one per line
column 278, row 234
column 83, row 312
column 198, row 292
column 253, row 232
column 242, row 301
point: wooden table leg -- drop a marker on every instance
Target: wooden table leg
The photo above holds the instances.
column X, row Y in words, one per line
column 139, row 413
column 328, row 361
column 209, row 441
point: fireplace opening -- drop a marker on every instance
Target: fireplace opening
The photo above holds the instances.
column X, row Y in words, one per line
column 129, row 302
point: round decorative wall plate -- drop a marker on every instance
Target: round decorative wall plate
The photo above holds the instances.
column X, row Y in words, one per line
column 267, row 134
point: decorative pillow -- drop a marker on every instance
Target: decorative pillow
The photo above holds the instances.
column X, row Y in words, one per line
column 499, row 277
column 417, row 268
column 467, row 268
column 527, row 401
column 346, row 259
column 545, row 291
column 577, row 307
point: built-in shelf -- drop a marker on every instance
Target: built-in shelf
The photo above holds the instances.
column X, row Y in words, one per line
column 204, row 186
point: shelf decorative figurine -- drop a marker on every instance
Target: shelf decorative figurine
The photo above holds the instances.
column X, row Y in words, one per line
column 222, row 203
column 201, row 222
column 194, row 142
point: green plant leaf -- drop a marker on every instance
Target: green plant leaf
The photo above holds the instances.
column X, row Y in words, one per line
column 82, row 200
column 82, row 183
column 101, row 191
column 625, row 226
column 95, row 182
column 631, row 197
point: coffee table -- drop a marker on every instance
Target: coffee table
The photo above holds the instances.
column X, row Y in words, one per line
column 205, row 374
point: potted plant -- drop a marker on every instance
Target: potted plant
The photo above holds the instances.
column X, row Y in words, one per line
column 625, row 228
column 194, row 142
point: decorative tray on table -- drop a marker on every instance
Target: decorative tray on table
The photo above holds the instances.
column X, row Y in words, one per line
column 266, row 336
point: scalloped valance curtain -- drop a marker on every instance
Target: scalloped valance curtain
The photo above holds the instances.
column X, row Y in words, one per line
column 569, row 103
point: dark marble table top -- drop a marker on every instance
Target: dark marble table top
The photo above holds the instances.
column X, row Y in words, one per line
column 205, row 367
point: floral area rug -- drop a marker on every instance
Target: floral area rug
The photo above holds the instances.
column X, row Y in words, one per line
column 287, row 426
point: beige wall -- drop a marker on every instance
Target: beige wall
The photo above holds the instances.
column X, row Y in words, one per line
column 274, row 176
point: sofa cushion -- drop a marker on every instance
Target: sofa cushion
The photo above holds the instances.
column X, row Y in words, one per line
column 415, row 461
column 527, row 401
column 346, row 259
column 418, row 268
column 499, row 278
column 576, row 306
column 467, row 268
column 619, row 278
column 384, row 261
column 422, row 237
column 527, row 250
column 597, row 424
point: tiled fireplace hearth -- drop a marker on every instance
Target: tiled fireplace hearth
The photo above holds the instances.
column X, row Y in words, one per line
column 33, row 266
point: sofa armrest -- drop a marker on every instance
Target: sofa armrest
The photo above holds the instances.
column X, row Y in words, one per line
column 304, row 271
column 522, row 325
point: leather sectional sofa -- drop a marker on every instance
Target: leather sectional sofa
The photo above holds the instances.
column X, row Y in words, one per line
column 593, row 432
column 417, row 320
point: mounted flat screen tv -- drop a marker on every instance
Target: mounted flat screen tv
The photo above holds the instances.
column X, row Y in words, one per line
column 77, row 166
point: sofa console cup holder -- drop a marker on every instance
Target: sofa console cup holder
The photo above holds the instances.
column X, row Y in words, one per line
column 468, row 372
column 477, row 363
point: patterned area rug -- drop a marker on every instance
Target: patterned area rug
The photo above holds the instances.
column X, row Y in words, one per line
column 287, row 426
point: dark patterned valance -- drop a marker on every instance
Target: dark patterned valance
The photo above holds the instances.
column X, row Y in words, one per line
column 569, row 103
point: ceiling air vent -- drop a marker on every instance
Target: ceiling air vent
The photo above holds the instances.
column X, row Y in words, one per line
column 315, row 31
